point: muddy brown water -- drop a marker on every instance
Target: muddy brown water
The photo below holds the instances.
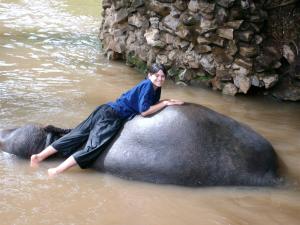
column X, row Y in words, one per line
column 52, row 72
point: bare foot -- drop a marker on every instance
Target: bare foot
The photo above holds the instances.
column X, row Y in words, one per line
column 34, row 161
column 52, row 172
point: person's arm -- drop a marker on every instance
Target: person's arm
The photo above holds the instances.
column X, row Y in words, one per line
column 161, row 104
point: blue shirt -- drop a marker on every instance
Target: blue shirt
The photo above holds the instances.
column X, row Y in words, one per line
column 136, row 100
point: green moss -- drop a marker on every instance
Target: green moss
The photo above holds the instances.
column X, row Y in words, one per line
column 174, row 72
column 136, row 62
column 203, row 77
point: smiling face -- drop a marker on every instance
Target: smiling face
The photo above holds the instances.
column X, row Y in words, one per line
column 157, row 78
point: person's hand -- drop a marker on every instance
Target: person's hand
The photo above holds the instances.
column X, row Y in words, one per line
column 173, row 102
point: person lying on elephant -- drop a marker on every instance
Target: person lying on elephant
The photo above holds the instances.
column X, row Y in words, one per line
column 105, row 121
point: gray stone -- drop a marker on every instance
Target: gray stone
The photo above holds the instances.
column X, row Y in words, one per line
column 203, row 49
column 248, row 51
column 216, row 40
column 172, row 55
column 273, row 52
column 166, row 1
column 175, row 12
column 121, row 16
column 255, row 27
column 224, row 74
column 168, row 38
column 136, row 20
column 152, row 37
column 184, row 44
column 225, row 33
column 229, row 89
column 183, row 32
column 256, row 19
column 181, row 83
column 221, row 15
column 207, row 62
column 207, row 25
column 106, row 4
column 142, row 53
column 208, row 16
column 225, row 3
column 216, row 83
column 286, row 90
column 245, row 4
column 117, row 45
column 162, row 59
column 193, row 6
column 191, row 47
column 235, row 24
column 181, row 5
column 160, row 8
column 256, row 82
column 170, row 22
column 109, row 20
column 191, row 59
column 240, row 70
column 206, row 7
column 120, row 4
column 185, row 75
column 270, row 80
column 242, row 82
column 151, row 56
column 169, row 47
column 231, row 48
column 154, row 22
column 163, row 28
column 221, row 57
column 202, row 41
column 288, row 54
column 120, row 32
column 188, row 20
column 276, row 65
column 258, row 39
column 245, row 36
column 137, row 3
column 244, row 62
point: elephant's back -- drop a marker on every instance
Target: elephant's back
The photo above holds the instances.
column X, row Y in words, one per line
column 189, row 145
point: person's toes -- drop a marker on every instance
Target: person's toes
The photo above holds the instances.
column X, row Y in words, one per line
column 52, row 172
column 34, row 161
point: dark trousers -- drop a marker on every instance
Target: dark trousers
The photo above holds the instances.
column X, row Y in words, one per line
column 95, row 132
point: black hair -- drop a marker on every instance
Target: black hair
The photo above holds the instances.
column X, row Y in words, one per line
column 157, row 67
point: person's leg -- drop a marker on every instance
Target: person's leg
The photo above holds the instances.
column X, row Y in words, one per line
column 103, row 131
column 69, row 142
column 37, row 158
column 68, row 163
column 66, row 144
column 107, row 125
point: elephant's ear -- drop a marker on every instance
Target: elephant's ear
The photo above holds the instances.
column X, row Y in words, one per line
column 56, row 130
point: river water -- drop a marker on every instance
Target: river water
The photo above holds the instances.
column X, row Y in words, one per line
column 52, row 72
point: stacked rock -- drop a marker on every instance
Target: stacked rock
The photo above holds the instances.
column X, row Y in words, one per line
column 220, row 42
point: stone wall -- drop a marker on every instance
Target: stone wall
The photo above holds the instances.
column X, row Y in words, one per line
column 226, row 44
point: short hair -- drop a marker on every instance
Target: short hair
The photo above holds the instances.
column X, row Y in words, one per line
column 157, row 67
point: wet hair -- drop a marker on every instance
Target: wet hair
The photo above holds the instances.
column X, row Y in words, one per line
column 157, row 67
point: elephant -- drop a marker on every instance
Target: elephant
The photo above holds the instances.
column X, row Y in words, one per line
column 189, row 145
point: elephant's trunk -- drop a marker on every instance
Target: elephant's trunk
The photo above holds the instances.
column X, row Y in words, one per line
column 1, row 139
column 3, row 136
